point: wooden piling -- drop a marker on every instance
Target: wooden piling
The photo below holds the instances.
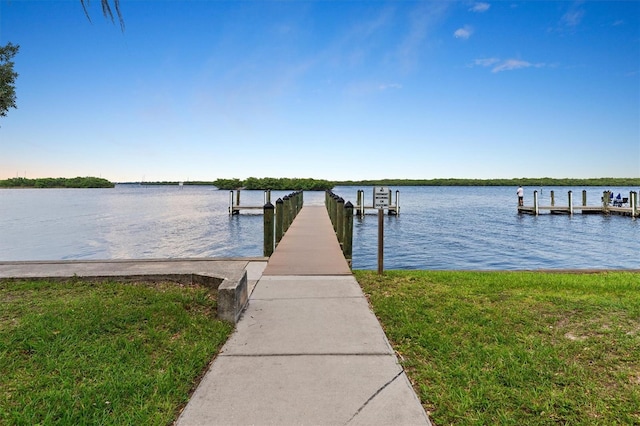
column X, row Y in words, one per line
column 380, row 241
column 347, row 246
column 286, row 220
column 334, row 211
column 570, row 195
column 584, row 197
column 268, row 229
column 279, row 219
column 340, row 220
column 535, row 203
column 605, row 201
column 553, row 198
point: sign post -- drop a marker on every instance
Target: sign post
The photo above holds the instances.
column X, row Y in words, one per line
column 380, row 202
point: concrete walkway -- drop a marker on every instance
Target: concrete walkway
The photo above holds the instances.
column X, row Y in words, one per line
column 307, row 350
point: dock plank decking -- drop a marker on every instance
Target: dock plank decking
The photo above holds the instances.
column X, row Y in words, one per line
column 309, row 247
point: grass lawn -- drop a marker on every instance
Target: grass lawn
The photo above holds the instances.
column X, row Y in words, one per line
column 515, row 348
column 103, row 353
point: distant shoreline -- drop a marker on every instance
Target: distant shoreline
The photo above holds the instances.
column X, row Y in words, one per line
column 310, row 184
column 317, row 184
column 40, row 183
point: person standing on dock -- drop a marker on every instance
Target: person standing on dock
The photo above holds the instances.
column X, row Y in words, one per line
column 520, row 193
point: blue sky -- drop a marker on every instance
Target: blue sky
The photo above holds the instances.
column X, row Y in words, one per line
column 200, row 90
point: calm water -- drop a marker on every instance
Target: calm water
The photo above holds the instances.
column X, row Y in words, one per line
column 438, row 228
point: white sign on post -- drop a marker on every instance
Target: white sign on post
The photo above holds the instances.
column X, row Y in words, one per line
column 381, row 197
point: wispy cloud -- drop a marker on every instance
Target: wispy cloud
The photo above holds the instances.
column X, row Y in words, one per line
column 499, row 65
column 480, row 7
column 423, row 19
column 573, row 17
column 464, row 32
column 511, row 64
column 486, row 62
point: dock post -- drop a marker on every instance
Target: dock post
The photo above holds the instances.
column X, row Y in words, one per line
column 286, row 220
column 347, row 246
column 267, row 196
column 293, row 198
column 380, row 241
column 397, row 202
column 358, row 203
column 361, row 203
column 605, row 202
column 268, row 229
column 295, row 205
column 584, row 197
column 291, row 209
column 633, row 202
column 237, row 197
column 340, row 220
column 334, row 212
column 232, row 208
column 535, row 202
column 570, row 202
column 279, row 219
column 553, row 198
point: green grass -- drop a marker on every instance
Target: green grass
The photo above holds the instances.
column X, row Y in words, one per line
column 78, row 352
column 513, row 348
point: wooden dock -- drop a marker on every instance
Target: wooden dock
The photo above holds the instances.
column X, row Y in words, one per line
column 309, row 247
column 235, row 207
column 628, row 206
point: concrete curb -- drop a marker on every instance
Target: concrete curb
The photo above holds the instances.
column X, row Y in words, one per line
column 228, row 277
column 233, row 297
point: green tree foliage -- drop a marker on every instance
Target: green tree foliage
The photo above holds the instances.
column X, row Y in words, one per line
column 7, row 78
column 321, row 184
column 283, row 184
column 77, row 182
column 228, row 183
column 545, row 181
